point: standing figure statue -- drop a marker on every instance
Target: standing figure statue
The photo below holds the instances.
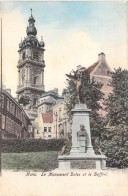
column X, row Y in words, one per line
column 77, row 80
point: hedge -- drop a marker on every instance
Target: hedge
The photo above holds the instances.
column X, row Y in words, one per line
column 31, row 145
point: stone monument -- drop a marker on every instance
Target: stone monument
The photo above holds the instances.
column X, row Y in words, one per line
column 82, row 155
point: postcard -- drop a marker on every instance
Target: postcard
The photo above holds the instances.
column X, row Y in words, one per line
column 64, row 98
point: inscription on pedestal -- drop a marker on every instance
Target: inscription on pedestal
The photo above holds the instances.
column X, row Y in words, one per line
column 88, row 164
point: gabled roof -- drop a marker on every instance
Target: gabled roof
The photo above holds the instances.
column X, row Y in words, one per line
column 47, row 118
column 92, row 67
column 101, row 59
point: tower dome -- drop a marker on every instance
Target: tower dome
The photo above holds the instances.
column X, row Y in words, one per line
column 31, row 29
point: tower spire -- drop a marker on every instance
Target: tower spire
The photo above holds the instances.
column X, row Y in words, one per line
column 31, row 12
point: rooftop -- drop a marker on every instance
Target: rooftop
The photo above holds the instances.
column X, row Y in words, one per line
column 92, row 67
column 47, row 118
column 53, row 93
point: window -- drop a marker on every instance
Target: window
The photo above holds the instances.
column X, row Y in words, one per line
column 108, row 73
column 23, row 56
column 49, row 135
column 13, row 109
column 7, row 104
column 35, row 80
column 35, row 55
column 16, row 111
column 34, row 101
column 10, row 106
column 2, row 101
column 19, row 114
column 49, row 129
column 45, row 129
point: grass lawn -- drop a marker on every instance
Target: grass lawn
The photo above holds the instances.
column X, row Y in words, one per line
column 30, row 161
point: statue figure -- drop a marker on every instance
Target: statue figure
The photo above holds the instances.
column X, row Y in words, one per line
column 77, row 79
column 82, row 138
column 67, row 146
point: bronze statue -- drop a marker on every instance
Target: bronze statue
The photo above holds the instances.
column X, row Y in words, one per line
column 82, row 131
column 82, row 139
column 77, row 80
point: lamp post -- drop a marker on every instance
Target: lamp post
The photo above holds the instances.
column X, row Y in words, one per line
column 56, row 115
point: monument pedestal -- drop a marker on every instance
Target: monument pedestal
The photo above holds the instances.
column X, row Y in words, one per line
column 79, row 157
column 82, row 162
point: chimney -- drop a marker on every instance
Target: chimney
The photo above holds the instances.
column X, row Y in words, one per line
column 101, row 57
column 3, row 87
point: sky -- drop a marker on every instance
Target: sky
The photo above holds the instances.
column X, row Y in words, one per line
column 74, row 34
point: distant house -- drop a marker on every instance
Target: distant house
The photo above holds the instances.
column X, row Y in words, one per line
column 43, row 123
column 101, row 72
column 47, row 121
column 44, row 126
column 52, row 120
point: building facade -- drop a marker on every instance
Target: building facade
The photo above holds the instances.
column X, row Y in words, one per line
column 61, row 122
column 15, row 122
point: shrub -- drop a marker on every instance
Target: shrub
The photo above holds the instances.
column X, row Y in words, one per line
column 31, row 145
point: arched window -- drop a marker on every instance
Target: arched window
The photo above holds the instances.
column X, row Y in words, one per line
column 23, row 56
column 34, row 101
column 35, row 53
column 35, row 80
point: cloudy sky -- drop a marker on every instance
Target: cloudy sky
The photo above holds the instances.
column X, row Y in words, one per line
column 74, row 34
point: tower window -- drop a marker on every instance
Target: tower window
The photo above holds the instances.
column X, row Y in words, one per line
column 35, row 80
column 35, row 55
column 23, row 56
column 34, row 101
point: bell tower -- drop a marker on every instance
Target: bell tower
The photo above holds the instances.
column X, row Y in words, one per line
column 30, row 67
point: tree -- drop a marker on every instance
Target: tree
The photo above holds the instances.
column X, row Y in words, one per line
column 91, row 94
column 114, row 139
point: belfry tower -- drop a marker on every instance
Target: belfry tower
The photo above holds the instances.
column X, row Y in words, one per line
column 30, row 68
